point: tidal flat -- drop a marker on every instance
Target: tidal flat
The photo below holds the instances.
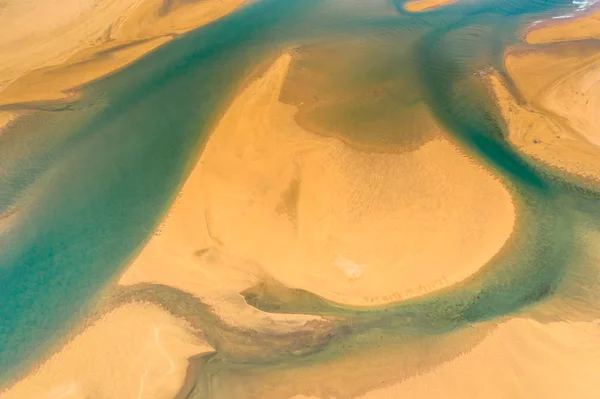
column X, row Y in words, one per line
column 317, row 199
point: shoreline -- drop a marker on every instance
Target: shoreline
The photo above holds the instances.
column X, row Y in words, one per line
column 415, row 6
column 552, row 120
column 74, row 53
column 559, row 30
column 206, row 236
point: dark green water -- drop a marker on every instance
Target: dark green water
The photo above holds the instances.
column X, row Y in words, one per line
column 90, row 180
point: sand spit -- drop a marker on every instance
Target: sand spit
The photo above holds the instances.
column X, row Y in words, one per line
column 565, row 30
column 67, row 46
column 135, row 351
column 557, row 121
column 425, row 5
column 520, row 359
column 355, row 227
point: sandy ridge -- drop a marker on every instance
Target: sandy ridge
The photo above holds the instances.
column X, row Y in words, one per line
column 313, row 227
column 45, row 51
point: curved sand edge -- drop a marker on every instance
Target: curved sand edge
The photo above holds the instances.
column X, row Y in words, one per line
column 315, row 214
column 136, row 350
column 557, row 123
column 45, row 51
column 425, row 5
column 579, row 28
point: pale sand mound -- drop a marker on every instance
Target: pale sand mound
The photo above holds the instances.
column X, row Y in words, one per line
column 558, row 123
column 424, row 5
column 521, row 359
column 6, row 118
column 355, row 227
column 92, row 38
column 586, row 27
column 135, row 351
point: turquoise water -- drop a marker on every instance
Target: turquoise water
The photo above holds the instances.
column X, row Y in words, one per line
column 90, row 180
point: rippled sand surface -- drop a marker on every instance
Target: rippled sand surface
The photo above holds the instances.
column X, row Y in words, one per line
column 317, row 199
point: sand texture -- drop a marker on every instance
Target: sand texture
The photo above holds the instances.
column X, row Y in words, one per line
column 582, row 28
column 425, row 5
column 519, row 359
column 46, row 51
column 556, row 121
column 135, row 351
column 354, row 227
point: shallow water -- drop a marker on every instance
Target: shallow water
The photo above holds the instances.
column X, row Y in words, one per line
column 90, row 179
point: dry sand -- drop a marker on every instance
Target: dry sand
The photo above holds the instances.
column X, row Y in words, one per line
column 586, row 27
column 557, row 121
column 424, row 5
column 135, row 351
column 61, row 46
column 355, row 227
column 520, row 359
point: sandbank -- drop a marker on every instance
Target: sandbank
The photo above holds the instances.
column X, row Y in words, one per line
column 135, row 351
column 565, row 30
column 314, row 213
column 556, row 120
column 424, row 5
column 91, row 38
column 521, row 358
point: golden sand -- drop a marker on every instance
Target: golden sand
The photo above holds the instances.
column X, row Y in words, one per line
column 355, row 227
column 424, row 5
column 135, row 351
column 519, row 359
column 47, row 50
column 268, row 198
column 557, row 120
column 54, row 83
column 586, row 27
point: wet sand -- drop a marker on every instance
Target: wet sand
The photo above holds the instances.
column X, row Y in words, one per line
column 425, row 5
column 314, row 213
column 556, row 121
column 582, row 28
column 47, row 51
column 360, row 226
column 6, row 118
column 520, row 358
column 135, row 351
